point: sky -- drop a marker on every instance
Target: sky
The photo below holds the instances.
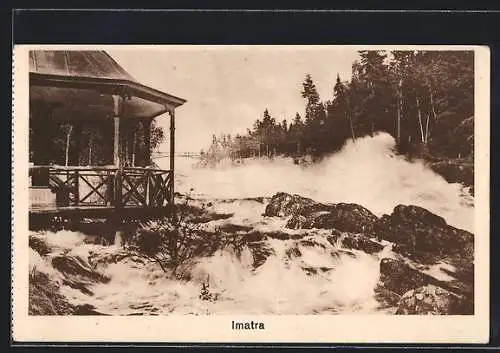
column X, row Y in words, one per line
column 228, row 87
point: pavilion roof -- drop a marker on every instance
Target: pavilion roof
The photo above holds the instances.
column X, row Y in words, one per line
column 82, row 81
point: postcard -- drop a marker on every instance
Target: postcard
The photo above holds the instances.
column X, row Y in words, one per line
column 244, row 193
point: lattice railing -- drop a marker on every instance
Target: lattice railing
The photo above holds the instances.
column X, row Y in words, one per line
column 107, row 186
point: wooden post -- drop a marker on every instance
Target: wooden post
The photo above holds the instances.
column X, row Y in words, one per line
column 134, row 142
column 117, row 156
column 118, row 162
column 147, row 142
column 68, row 139
column 116, row 146
column 78, row 145
column 172, row 155
column 119, row 237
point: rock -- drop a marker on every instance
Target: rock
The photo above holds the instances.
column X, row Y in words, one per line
column 45, row 297
column 356, row 241
column 347, row 217
column 207, row 217
column 310, row 270
column 283, row 204
column 344, row 217
column 297, row 222
column 307, row 214
column 234, row 228
column 76, row 271
column 312, row 242
column 399, row 278
column 361, row 242
column 423, row 235
column 455, row 171
column 343, row 252
column 260, row 252
column 254, row 236
column 386, row 298
column 282, row 235
column 113, row 257
column 39, row 245
column 464, row 272
column 293, row 252
column 433, row 300
column 86, row 309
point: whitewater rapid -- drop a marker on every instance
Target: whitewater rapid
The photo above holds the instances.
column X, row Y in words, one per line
column 365, row 172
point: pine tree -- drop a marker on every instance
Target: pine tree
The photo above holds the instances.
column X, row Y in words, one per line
column 310, row 93
column 342, row 104
column 314, row 117
column 374, row 76
column 422, row 98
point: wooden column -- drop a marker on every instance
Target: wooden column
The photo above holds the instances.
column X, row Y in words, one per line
column 147, row 142
column 172, row 154
column 76, row 160
column 116, row 141
column 119, row 237
column 116, row 220
column 117, row 156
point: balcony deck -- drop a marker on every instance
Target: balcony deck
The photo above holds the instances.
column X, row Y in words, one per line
column 99, row 191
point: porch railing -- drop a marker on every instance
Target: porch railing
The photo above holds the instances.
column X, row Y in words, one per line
column 105, row 186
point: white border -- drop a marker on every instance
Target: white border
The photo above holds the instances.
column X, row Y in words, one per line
column 279, row 328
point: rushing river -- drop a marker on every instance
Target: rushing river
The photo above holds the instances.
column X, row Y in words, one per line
column 365, row 172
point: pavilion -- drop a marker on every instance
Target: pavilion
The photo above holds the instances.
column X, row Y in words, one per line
column 90, row 135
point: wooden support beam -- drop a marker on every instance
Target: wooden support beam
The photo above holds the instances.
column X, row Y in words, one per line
column 147, row 141
column 77, row 136
column 117, row 155
column 116, row 138
column 119, row 238
column 76, row 160
column 172, row 155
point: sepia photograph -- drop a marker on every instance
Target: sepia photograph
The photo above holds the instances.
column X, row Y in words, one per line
column 249, row 181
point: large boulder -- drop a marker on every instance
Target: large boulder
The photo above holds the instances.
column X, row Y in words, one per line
column 45, row 297
column 433, row 300
column 39, row 245
column 355, row 241
column 283, row 205
column 421, row 234
column 346, row 217
column 307, row 214
column 398, row 277
column 77, row 273
column 74, row 266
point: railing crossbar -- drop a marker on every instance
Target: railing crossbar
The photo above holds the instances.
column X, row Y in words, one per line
column 94, row 189
column 140, row 187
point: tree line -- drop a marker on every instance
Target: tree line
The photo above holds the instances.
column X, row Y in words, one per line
column 424, row 99
column 73, row 142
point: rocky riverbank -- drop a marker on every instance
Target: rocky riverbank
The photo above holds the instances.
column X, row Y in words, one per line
column 408, row 262
column 421, row 242
column 455, row 171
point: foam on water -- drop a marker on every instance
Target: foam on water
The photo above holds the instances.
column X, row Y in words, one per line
column 276, row 287
column 365, row 172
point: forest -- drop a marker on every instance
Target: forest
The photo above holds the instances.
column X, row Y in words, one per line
column 424, row 99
